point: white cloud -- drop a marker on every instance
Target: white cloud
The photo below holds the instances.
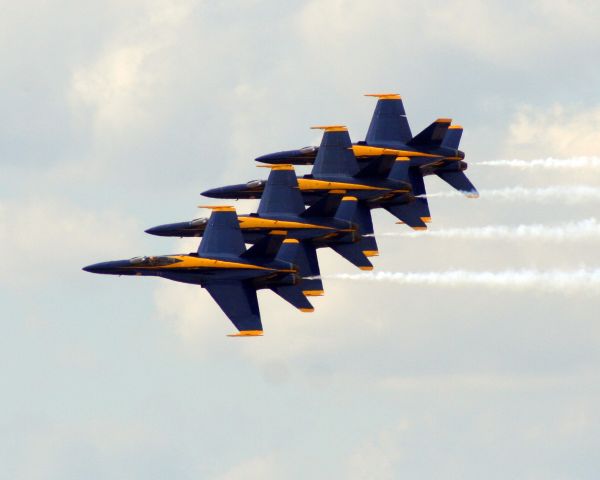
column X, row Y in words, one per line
column 258, row 468
column 46, row 238
column 559, row 130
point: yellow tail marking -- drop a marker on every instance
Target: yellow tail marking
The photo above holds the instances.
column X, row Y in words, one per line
column 419, row 228
column 290, row 240
column 366, row 267
column 426, row 219
column 247, row 333
column 313, row 293
column 349, row 199
column 331, row 128
column 384, row 96
column 455, row 127
column 280, row 166
column 443, row 120
column 306, row 309
column 218, row 208
column 371, row 253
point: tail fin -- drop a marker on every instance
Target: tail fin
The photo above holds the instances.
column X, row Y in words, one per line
column 304, row 255
column 281, row 194
column 267, row 248
column 453, row 136
column 433, row 135
column 308, row 263
column 335, row 156
column 294, row 295
column 363, row 219
column 325, row 207
column 347, row 209
column 222, row 234
column 389, row 123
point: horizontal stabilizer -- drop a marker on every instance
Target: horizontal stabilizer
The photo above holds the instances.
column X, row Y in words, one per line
column 353, row 253
column 281, row 193
column 460, row 182
column 293, row 294
column 453, row 136
column 389, row 123
column 408, row 214
column 222, row 234
column 335, row 156
column 238, row 301
column 433, row 135
column 325, row 207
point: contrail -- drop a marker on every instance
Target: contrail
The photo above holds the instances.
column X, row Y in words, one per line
column 556, row 194
column 545, row 163
column 562, row 281
column 582, row 230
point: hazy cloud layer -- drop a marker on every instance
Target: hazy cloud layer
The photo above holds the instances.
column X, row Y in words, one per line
column 117, row 115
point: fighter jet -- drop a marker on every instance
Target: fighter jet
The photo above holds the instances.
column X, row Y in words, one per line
column 433, row 151
column 230, row 273
column 335, row 170
column 327, row 223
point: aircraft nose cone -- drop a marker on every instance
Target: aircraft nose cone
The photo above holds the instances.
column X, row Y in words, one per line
column 95, row 268
column 104, row 267
column 161, row 230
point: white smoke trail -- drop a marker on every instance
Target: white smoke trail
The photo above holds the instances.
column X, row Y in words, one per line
column 581, row 280
column 556, row 194
column 583, row 230
column 546, row 163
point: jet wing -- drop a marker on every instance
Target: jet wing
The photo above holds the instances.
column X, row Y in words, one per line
column 460, row 182
column 238, row 301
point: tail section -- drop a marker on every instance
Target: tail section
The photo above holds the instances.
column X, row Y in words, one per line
column 268, row 248
column 460, row 182
column 347, row 209
column 281, row 194
column 433, row 135
column 389, row 123
column 353, row 253
column 222, row 234
column 453, row 136
column 304, row 255
column 363, row 219
column 409, row 214
column 294, row 295
column 335, row 156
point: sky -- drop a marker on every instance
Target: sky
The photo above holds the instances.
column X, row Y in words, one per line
column 116, row 115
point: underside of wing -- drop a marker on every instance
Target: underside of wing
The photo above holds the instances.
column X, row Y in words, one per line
column 239, row 302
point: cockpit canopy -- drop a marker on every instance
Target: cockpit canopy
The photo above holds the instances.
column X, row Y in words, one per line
column 152, row 261
column 196, row 222
column 309, row 149
column 255, row 183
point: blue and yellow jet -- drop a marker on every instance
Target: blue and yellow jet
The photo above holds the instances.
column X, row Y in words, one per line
column 327, row 223
column 336, row 170
column 432, row 151
column 230, row 273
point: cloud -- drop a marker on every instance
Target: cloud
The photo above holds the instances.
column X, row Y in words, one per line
column 258, row 468
column 47, row 238
column 558, row 130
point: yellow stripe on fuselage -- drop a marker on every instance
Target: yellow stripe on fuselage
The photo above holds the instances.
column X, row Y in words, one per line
column 367, row 151
column 258, row 222
column 186, row 261
column 312, row 184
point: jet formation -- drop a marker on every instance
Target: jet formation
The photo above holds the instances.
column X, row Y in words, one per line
column 297, row 215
